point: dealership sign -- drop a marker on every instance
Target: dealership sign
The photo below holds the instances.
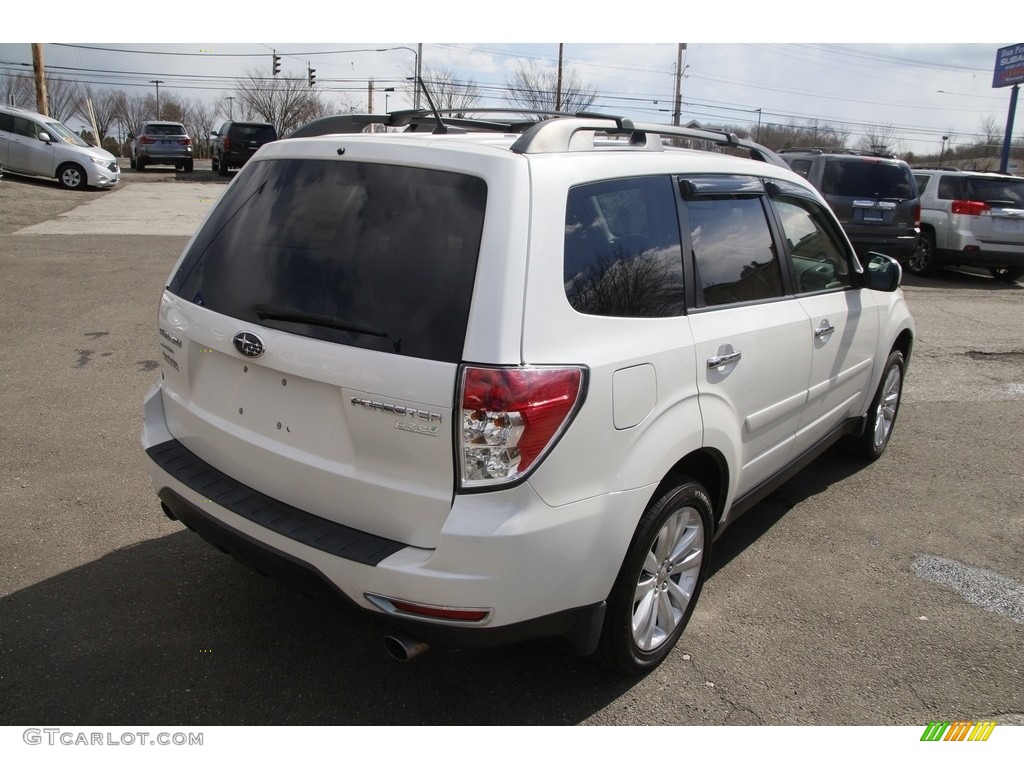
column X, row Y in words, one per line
column 1009, row 66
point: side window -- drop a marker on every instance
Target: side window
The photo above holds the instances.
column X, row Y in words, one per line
column 922, row 182
column 733, row 256
column 819, row 260
column 6, row 122
column 803, row 167
column 949, row 188
column 23, row 127
column 623, row 256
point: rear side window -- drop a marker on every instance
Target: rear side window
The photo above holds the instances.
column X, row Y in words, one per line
column 868, row 178
column 373, row 256
column 733, row 256
column 623, row 256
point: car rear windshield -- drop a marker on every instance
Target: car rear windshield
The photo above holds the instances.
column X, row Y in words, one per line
column 1008, row 192
column 375, row 256
column 165, row 129
column 859, row 177
column 261, row 133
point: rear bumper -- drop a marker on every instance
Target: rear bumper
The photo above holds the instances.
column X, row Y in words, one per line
column 982, row 256
column 538, row 571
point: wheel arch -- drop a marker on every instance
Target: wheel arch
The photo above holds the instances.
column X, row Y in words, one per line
column 709, row 468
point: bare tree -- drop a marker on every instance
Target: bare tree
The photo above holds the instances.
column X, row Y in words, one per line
column 132, row 110
column 992, row 133
column 881, row 139
column 105, row 106
column 286, row 102
column 17, row 90
column 202, row 117
column 532, row 88
column 448, row 92
column 65, row 98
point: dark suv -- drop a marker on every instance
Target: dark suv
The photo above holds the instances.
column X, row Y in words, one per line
column 874, row 196
column 235, row 142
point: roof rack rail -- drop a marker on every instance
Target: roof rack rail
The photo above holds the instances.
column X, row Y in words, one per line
column 934, row 168
column 836, row 151
column 415, row 120
column 558, row 135
column 541, row 131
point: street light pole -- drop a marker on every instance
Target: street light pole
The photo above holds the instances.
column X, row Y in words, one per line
column 416, row 77
column 157, row 83
column 231, row 107
column 942, row 149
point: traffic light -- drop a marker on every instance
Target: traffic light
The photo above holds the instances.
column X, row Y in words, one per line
column 312, row 75
column 277, row 64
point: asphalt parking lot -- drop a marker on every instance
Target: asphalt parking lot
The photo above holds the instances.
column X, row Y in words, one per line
column 891, row 594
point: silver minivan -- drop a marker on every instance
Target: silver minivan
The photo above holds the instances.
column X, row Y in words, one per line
column 36, row 145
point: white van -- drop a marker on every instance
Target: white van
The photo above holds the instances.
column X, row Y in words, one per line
column 36, row 145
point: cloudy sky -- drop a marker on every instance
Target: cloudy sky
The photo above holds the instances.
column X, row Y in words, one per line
column 847, row 73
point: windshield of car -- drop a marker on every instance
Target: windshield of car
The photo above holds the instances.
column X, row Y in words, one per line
column 376, row 256
column 863, row 177
column 65, row 134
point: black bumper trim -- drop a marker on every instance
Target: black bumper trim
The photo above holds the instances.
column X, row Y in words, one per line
column 333, row 538
column 578, row 629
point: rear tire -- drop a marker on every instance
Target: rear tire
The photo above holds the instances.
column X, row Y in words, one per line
column 140, row 164
column 1007, row 274
column 922, row 261
column 222, row 166
column 660, row 579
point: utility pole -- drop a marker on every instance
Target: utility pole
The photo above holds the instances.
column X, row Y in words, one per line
column 676, row 113
column 157, row 83
column 558, row 81
column 42, row 101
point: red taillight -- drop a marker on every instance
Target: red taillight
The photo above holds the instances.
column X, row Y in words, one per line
column 186, row 141
column 146, row 140
column 971, row 207
column 510, row 417
column 917, row 215
column 227, row 142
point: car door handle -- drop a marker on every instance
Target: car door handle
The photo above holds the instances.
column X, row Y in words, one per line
column 719, row 360
column 825, row 329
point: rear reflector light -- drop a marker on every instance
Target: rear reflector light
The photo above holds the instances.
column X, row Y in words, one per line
column 394, row 605
column 440, row 611
column 971, row 207
column 146, row 140
column 511, row 417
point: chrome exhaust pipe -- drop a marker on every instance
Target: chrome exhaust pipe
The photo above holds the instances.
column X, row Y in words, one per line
column 404, row 647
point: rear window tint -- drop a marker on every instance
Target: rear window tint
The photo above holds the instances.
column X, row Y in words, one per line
column 164, row 130
column 623, row 255
column 868, row 178
column 1008, row 192
column 263, row 133
column 375, row 256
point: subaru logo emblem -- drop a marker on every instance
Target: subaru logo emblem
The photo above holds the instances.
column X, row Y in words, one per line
column 249, row 344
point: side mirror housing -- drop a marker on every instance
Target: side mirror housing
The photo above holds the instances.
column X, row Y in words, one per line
column 882, row 273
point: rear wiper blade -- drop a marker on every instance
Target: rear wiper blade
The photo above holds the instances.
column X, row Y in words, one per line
column 287, row 315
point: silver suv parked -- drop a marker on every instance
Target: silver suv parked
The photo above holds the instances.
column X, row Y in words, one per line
column 160, row 142
column 496, row 385
column 972, row 219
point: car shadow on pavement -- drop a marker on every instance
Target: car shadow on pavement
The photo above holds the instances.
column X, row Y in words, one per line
column 831, row 467
column 172, row 631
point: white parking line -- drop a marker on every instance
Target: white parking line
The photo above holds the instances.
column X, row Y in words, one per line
column 173, row 208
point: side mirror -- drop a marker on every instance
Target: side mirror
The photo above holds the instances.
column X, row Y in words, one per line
column 44, row 136
column 883, row 273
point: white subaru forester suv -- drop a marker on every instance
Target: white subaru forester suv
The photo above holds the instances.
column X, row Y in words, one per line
column 492, row 385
